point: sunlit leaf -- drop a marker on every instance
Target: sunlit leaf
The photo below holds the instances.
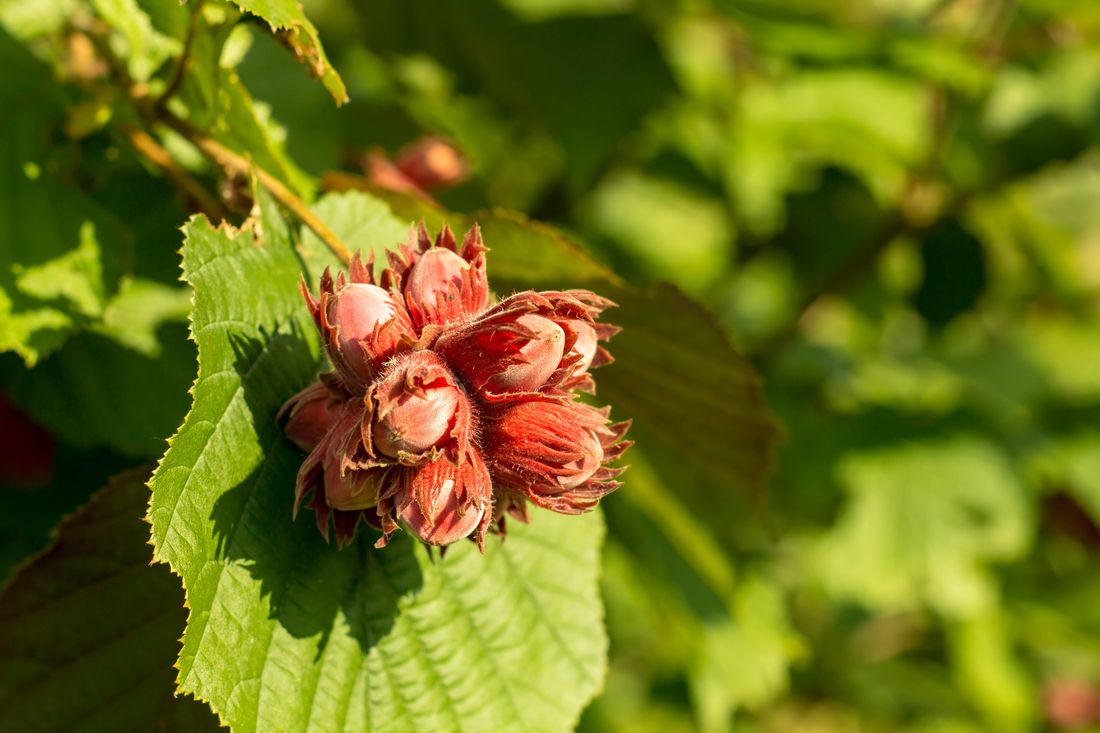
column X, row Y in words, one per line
column 286, row 631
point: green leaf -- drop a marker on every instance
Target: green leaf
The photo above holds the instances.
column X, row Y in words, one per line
column 143, row 46
column 363, row 223
column 759, row 631
column 1074, row 463
column 925, row 520
column 288, row 633
column 26, row 19
column 216, row 101
column 141, row 307
column 94, row 392
column 989, row 672
column 28, row 514
column 61, row 257
column 643, row 214
column 287, row 19
column 863, row 120
column 89, row 629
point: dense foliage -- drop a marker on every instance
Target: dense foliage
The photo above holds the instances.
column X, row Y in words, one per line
column 855, row 249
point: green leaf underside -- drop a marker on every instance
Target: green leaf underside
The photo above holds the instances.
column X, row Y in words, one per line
column 288, row 633
column 89, row 629
column 302, row 38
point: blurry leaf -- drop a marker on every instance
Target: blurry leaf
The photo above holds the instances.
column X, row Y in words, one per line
column 95, row 391
column 1063, row 350
column 289, row 632
column 92, row 623
column 26, row 19
column 695, row 401
column 536, row 10
column 942, row 61
column 61, row 258
column 1068, row 85
column 865, row 121
column 541, row 74
column 289, row 22
column 29, row 513
column 669, row 230
column 1043, row 232
column 145, row 47
column 140, row 308
column 1075, row 464
column 218, row 102
column 922, row 524
column 319, row 133
column 989, row 672
column 512, row 162
column 743, row 661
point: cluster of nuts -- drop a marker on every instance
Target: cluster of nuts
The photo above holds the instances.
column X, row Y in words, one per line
column 442, row 414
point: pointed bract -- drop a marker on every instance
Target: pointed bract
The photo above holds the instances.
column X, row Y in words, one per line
column 442, row 282
column 526, row 344
column 309, row 416
column 441, row 502
column 555, row 453
column 420, row 410
column 363, row 324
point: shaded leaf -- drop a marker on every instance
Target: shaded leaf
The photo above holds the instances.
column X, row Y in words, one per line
column 89, row 629
column 61, row 257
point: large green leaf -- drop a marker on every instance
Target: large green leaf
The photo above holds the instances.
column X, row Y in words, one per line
column 89, row 629
column 288, row 633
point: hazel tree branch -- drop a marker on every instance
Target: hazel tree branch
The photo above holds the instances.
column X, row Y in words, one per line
column 236, row 163
column 152, row 112
column 147, row 146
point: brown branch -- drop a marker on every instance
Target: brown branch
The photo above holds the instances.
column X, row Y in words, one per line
column 236, row 163
column 147, row 146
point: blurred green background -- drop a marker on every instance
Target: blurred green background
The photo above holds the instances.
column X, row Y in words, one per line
column 894, row 209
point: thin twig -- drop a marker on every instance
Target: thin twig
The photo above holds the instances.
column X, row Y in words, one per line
column 236, row 163
column 147, row 146
column 184, row 60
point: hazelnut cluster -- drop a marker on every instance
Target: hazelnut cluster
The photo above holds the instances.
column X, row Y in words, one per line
column 444, row 414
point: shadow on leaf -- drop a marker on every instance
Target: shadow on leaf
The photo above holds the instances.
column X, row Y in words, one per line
column 308, row 584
